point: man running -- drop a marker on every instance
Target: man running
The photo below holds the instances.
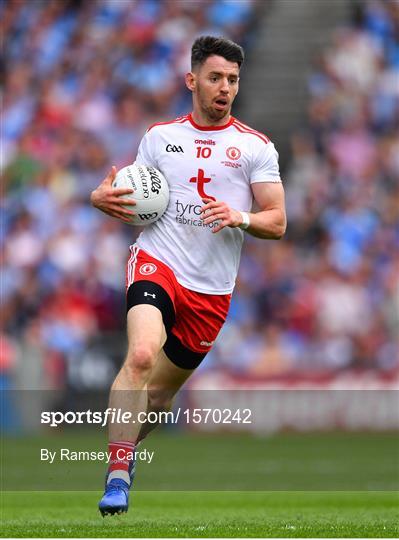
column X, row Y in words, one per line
column 182, row 269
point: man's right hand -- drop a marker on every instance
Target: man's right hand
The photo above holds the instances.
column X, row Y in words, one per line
column 108, row 200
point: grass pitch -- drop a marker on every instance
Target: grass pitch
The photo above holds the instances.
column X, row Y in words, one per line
column 204, row 514
column 286, row 485
column 213, row 462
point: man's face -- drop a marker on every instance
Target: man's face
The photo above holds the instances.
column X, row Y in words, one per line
column 214, row 85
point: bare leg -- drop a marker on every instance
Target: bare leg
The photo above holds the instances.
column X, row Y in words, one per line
column 146, row 336
column 145, row 366
column 165, row 380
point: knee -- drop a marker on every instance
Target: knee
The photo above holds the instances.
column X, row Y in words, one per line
column 140, row 360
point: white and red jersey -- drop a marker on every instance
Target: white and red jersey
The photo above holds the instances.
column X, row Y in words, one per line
column 219, row 162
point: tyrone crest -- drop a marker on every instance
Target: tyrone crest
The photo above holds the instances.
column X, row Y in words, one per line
column 147, row 268
column 233, row 153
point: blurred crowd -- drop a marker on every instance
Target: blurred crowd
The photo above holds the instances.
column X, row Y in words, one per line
column 327, row 296
column 83, row 80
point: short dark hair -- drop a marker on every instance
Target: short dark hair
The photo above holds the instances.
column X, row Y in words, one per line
column 206, row 46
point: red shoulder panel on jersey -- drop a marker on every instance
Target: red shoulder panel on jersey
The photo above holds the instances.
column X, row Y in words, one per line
column 178, row 120
column 245, row 126
column 246, row 129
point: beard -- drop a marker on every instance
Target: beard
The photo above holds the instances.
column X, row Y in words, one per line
column 211, row 113
column 214, row 114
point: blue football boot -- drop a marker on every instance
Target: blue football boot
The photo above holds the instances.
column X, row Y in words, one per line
column 116, row 495
column 116, row 498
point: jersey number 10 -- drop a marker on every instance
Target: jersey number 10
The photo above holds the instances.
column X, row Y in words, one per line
column 203, row 152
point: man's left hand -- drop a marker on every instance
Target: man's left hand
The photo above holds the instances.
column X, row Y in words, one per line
column 220, row 211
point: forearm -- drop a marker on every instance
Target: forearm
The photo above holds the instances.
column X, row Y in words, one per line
column 270, row 222
column 267, row 224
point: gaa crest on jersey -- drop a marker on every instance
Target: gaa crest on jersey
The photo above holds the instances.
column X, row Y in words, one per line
column 147, row 269
column 174, row 148
column 233, row 152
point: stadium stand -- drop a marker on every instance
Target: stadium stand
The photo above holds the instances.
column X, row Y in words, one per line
column 82, row 82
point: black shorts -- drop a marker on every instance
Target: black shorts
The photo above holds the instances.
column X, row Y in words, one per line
column 147, row 292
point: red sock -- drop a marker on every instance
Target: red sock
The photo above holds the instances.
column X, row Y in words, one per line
column 121, row 460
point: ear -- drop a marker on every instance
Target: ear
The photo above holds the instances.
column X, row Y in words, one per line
column 190, row 81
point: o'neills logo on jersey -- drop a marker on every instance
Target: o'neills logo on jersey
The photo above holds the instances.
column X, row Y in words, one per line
column 209, row 142
column 233, row 153
column 207, row 343
column 147, row 268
